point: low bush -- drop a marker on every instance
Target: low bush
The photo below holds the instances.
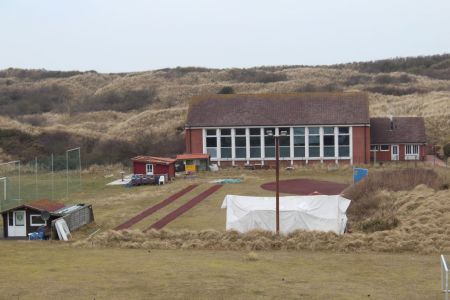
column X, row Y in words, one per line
column 394, row 91
column 253, row 75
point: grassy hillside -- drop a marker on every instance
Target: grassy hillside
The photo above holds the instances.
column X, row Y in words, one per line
column 114, row 116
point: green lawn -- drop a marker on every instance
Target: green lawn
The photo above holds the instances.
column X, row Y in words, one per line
column 42, row 270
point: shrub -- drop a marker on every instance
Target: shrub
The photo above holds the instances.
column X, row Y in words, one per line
column 379, row 224
column 226, row 90
column 395, row 91
column 253, row 75
column 446, row 150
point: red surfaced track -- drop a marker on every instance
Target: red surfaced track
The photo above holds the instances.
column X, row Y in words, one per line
column 306, row 187
column 184, row 208
column 154, row 208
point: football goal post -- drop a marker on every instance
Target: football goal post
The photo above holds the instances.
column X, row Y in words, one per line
column 10, row 181
column 444, row 277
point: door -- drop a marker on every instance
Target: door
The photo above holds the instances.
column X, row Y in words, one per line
column 394, row 152
column 17, row 223
column 149, row 169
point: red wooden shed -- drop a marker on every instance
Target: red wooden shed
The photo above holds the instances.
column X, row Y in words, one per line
column 152, row 165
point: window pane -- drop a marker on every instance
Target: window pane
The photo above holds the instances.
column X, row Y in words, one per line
column 299, row 151
column 225, row 141
column 344, row 151
column 285, row 152
column 255, row 141
column 240, row 131
column 270, row 151
column 37, row 220
column 240, row 153
column 212, row 152
column 225, row 152
column 211, row 142
column 255, row 131
column 299, row 131
column 344, row 140
column 240, row 141
column 328, row 140
column 384, row 147
column 269, row 141
column 314, row 152
column 225, row 131
column 269, row 129
column 285, row 141
column 328, row 151
column 343, row 130
column 211, row 132
column 314, row 140
column 299, row 141
column 313, row 130
column 285, row 129
column 328, row 130
column 255, row 152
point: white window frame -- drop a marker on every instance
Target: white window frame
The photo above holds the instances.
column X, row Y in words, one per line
column 146, row 169
column 412, row 152
column 380, row 148
column 377, row 148
column 37, row 224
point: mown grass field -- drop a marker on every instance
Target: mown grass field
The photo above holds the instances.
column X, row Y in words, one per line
column 42, row 270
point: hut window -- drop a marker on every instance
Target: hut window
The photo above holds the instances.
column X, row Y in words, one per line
column 36, row 220
column 344, row 141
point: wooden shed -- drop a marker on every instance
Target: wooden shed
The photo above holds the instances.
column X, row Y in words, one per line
column 153, row 166
column 21, row 220
column 195, row 161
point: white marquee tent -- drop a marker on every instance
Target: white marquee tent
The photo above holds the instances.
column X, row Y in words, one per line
column 318, row 212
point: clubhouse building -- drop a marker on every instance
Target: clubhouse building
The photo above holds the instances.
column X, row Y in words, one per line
column 312, row 128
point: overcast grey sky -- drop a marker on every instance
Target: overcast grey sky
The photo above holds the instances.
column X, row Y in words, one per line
column 135, row 35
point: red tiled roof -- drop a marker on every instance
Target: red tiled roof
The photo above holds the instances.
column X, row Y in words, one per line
column 154, row 159
column 278, row 109
column 45, row 204
column 405, row 130
column 192, row 156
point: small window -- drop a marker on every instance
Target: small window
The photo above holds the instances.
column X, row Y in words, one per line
column 255, row 131
column 373, row 147
column 211, row 132
column 384, row 147
column 36, row 220
column 240, row 131
column 225, row 131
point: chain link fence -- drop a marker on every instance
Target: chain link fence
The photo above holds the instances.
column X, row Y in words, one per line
column 52, row 177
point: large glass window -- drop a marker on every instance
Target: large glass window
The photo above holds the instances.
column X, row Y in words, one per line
column 211, row 142
column 412, row 149
column 240, row 143
column 314, row 141
column 269, row 142
column 344, row 141
column 225, row 143
column 285, row 142
column 299, row 142
column 255, row 142
column 328, row 141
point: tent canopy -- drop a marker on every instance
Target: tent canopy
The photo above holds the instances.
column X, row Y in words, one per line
column 318, row 212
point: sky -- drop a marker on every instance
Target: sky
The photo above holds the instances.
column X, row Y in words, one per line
column 137, row 35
